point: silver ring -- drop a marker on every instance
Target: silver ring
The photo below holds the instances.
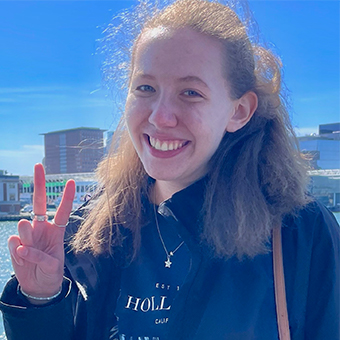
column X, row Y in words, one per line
column 58, row 225
column 39, row 218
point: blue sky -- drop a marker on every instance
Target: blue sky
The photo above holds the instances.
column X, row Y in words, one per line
column 50, row 76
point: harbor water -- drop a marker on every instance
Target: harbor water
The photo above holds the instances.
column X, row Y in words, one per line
column 8, row 228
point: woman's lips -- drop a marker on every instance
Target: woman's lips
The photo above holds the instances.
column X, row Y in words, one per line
column 166, row 145
column 165, row 148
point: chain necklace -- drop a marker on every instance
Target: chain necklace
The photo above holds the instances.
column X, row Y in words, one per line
column 167, row 263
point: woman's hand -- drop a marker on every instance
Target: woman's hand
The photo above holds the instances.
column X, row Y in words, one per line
column 38, row 252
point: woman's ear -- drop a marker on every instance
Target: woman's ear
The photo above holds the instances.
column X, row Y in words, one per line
column 244, row 110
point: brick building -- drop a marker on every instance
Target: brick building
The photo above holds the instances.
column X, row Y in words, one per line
column 9, row 193
column 73, row 151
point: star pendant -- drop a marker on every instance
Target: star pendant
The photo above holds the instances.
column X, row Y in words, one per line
column 168, row 263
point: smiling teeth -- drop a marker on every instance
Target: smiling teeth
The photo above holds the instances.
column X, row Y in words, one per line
column 165, row 145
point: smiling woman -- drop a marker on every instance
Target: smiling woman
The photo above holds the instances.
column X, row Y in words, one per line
column 179, row 107
column 183, row 238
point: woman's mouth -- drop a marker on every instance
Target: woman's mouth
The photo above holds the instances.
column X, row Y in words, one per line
column 166, row 145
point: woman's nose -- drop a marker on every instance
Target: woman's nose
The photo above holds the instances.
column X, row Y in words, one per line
column 163, row 113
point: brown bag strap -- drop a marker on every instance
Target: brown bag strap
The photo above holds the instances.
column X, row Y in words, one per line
column 279, row 283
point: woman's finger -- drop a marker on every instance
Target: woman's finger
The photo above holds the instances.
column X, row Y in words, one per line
column 25, row 232
column 64, row 210
column 47, row 263
column 13, row 243
column 39, row 194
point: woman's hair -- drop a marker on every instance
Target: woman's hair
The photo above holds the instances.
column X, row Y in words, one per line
column 256, row 175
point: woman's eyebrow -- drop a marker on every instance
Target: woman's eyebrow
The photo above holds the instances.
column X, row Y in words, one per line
column 186, row 79
column 193, row 79
column 144, row 75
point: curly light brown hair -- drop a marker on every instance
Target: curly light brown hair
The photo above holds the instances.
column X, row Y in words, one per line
column 256, row 175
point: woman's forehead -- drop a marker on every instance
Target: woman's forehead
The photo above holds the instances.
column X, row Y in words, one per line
column 177, row 41
column 155, row 33
column 178, row 54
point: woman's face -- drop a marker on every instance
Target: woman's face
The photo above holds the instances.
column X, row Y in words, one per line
column 178, row 106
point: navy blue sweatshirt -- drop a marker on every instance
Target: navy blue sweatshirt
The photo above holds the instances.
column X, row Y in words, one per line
column 206, row 299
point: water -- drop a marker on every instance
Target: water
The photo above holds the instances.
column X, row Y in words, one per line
column 10, row 228
column 6, row 229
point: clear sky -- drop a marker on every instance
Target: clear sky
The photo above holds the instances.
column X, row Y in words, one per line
column 50, row 76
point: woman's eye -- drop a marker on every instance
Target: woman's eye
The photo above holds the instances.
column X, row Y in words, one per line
column 192, row 93
column 145, row 88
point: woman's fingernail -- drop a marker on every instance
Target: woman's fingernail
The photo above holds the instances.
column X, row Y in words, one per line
column 22, row 251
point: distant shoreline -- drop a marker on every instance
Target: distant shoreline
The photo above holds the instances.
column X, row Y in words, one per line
column 18, row 217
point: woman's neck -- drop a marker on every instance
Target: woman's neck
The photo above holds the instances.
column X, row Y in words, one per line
column 164, row 190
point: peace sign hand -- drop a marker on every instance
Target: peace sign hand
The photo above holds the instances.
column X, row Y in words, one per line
column 38, row 252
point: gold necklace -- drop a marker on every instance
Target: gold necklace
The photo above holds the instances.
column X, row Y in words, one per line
column 167, row 263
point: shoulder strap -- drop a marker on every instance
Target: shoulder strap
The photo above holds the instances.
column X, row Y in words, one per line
column 279, row 283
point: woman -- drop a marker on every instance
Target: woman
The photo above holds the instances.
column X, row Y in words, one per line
column 177, row 242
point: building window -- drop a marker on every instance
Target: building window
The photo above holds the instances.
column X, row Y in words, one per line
column 11, row 185
column 12, row 197
column 62, row 153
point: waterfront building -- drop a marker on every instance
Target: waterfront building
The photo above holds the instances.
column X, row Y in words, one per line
column 76, row 150
column 26, row 190
column 326, row 129
column 55, row 184
column 323, row 148
column 9, row 193
column 325, row 186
